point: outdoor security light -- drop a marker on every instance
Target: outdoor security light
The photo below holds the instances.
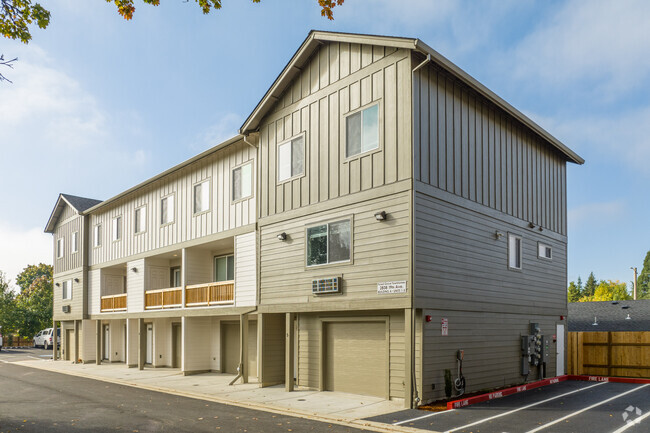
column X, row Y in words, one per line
column 282, row 236
column 134, row 269
column 380, row 216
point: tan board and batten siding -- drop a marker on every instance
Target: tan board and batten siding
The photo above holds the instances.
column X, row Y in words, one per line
column 222, row 216
column 70, row 222
column 339, row 79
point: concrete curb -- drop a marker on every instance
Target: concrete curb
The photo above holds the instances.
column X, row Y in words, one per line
column 356, row 423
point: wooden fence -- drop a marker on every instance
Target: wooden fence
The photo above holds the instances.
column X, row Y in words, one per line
column 623, row 354
column 9, row 341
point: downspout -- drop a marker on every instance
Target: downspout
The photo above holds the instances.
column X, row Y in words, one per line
column 248, row 142
column 240, row 368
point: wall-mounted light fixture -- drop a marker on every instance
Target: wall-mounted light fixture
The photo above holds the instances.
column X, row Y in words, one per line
column 380, row 216
column 497, row 235
column 541, row 229
column 76, row 280
column 134, row 269
column 531, row 225
column 282, row 236
column 58, row 284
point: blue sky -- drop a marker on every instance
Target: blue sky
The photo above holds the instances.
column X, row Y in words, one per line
column 99, row 104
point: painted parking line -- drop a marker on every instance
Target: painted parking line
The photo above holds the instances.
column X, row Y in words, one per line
column 542, row 427
column 632, row 423
column 481, row 421
column 423, row 417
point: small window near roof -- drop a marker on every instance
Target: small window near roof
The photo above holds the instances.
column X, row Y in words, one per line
column 74, row 243
column 514, row 252
column 544, row 251
column 202, row 196
column 59, row 248
column 167, row 209
column 117, row 228
column 362, row 131
column 291, row 158
column 97, row 236
column 242, row 182
column 140, row 220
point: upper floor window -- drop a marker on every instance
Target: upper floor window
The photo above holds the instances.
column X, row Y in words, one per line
column 59, row 248
column 202, row 196
column 97, row 236
column 67, row 289
column 291, row 158
column 117, row 228
column 328, row 243
column 167, row 210
column 140, row 220
column 362, row 131
column 224, row 268
column 514, row 251
column 544, row 251
column 242, row 182
column 74, row 242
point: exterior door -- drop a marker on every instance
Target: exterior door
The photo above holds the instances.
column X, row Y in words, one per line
column 149, row 354
column 355, row 358
column 67, row 345
column 229, row 347
column 560, row 350
column 177, row 345
column 107, row 343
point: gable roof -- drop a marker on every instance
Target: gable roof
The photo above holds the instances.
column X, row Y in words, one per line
column 80, row 204
column 316, row 38
column 610, row 316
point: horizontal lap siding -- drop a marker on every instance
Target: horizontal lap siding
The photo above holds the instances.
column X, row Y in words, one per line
column 380, row 252
column 460, row 264
column 467, row 146
column 76, row 303
column 341, row 78
column 222, row 216
column 491, row 342
column 245, row 270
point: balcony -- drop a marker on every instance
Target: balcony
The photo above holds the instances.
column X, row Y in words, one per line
column 163, row 298
column 113, row 303
column 206, row 295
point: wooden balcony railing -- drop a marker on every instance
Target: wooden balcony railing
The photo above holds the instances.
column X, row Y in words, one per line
column 113, row 303
column 163, row 298
column 220, row 293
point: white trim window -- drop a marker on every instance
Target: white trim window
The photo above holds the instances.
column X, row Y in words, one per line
column 515, row 253
column 202, row 196
column 97, row 235
column 74, row 242
column 328, row 243
column 291, row 158
column 140, row 220
column 59, row 248
column 167, row 210
column 242, row 181
column 224, row 268
column 66, row 289
column 117, row 228
column 362, row 131
column 544, row 251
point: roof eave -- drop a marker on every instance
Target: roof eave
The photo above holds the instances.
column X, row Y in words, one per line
column 51, row 222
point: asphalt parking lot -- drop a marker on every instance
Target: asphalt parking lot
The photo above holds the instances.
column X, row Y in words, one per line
column 571, row 406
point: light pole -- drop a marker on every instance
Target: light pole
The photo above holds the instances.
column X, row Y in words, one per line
column 635, row 278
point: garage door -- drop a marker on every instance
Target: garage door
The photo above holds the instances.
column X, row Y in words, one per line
column 356, row 357
column 229, row 347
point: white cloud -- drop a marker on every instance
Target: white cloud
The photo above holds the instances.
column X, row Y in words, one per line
column 20, row 247
column 602, row 213
column 226, row 127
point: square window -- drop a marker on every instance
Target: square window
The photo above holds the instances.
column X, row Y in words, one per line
column 242, row 182
column 328, row 243
column 74, row 243
column 117, row 228
column 514, row 252
column 167, row 210
column 140, row 220
column 362, row 131
column 224, row 268
column 544, row 251
column 97, row 236
column 202, row 196
column 291, row 158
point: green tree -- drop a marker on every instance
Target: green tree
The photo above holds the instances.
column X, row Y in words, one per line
column 579, row 286
column 643, row 280
column 31, row 273
column 33, row 307
column 7, row 313
column 590, row 286
column 573, row 294
column 611, row 291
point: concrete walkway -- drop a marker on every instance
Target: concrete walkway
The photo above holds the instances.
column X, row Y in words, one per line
column 333, row 407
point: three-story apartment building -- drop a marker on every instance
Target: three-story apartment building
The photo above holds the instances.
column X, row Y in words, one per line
column 379, row 212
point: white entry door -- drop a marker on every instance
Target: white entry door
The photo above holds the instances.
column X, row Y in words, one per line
column 560, row 350
column 149, row 357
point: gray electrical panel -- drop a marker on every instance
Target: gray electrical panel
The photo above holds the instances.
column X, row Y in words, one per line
column 534, row 349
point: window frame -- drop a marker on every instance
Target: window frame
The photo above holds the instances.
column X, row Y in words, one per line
column 74, row 242
column 380, row 140
column 214, row 266
column 97, row 235
column 521, row 252
column 143, row 219
column 173, row 213
column 60, row 252
column 232, row 182
column 302, row 134
column 349, row 261
column 541, row 245
column 209, row 196
column 66, row 286
column 116, row 228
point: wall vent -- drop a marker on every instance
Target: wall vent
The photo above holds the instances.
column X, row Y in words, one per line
column 326, row 285
column 66, row 308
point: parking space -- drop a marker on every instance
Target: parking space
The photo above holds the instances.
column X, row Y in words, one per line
column 570, row 406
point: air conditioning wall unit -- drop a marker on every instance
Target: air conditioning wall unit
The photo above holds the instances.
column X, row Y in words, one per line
column 66, row 308
column 326, row 285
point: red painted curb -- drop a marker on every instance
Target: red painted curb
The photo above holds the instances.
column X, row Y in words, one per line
column 608, row 379
column 456, row 404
